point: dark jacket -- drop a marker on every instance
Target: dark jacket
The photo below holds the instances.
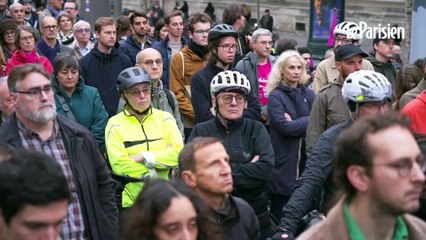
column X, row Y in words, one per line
column 286, row 136
column 131, row 47
column 93, row 181
column 202, row 100
column 43, row 48
column 237, row 220
column 244, row 139
column 100, row 70
column 86, row 106
column 387, row 69
column 316, row 176
column 162, row 47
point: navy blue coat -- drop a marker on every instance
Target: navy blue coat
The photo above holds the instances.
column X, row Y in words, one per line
column 286, row 136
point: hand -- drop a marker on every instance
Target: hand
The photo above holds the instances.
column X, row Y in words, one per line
column 287, row 117
column 263, row 117
column 282, row 234
column 255, row 158
column 137, row 157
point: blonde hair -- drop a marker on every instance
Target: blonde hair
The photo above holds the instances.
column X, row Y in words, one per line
column 275, row 77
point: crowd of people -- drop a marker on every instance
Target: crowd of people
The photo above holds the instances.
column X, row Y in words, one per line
column 173, row 125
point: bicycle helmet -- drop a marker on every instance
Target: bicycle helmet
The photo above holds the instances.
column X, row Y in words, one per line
column 132, row 76
column 221, row 30
column 350, row 29
column 366, row 86
column 230, row 81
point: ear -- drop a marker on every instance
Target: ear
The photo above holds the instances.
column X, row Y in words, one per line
column 214, row 101
column 191, row 35
column 13, row 98
column 189, row 178
column 338, row 65
column 357, row 176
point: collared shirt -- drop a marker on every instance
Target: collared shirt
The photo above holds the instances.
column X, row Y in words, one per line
column 73, row 225
column 400, row 232
column 83, row 51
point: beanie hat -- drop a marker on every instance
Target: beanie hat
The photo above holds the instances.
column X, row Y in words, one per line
column 6, row 25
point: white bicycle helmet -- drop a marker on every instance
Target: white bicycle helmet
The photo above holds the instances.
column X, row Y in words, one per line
column 366, row 86
column 229, row 81
column 350, row 30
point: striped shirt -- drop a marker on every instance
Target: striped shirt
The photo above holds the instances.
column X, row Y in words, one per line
column 72, row 225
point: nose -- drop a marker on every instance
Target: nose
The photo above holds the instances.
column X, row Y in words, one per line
column 50, row 234
column 419, row 174
column 358, row 66
column 186, row 235
column 226, row 169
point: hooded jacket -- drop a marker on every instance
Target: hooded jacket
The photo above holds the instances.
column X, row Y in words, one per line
column 131, row 47
column 100, row 70
column 387, row 68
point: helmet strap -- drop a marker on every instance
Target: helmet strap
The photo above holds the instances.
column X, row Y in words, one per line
column 356, row 110
column 144, row 112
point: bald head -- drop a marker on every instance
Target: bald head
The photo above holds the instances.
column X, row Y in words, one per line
column 150, row 60
column 17, row 13
column 6, row 105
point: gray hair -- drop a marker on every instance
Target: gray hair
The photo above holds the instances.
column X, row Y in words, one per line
column 78, row 24
column 260, row 32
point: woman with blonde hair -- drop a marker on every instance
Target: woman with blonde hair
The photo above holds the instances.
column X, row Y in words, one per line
column 289, row 105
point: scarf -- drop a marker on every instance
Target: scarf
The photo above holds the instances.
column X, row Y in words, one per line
column 25, row 57
column 200, row 51
column 47, row 51
column 54, row 12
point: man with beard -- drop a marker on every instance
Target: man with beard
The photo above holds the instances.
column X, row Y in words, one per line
column 29, row 15
column 185, row 64
column 344, row 33
column 222, row 45
column 380, row 169
column 140, row 39
column 328, row 108
column 49, row 46
column 100, row 67
column 92, row 213
column 172, row 44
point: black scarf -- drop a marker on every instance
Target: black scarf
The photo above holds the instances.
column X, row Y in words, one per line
column 197, row 49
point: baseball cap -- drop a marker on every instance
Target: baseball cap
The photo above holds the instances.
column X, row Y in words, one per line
column 348, row 51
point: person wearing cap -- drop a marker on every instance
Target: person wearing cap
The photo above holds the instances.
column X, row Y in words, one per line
column 365, row 93
column 381, row 56
column 222, row 45
column 30, row 16
column 328, row 108
column 140, row 140
column 344, row 33
column 247, row 142
column 7, row 38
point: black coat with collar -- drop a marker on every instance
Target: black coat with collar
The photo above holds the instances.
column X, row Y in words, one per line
column 93, row 181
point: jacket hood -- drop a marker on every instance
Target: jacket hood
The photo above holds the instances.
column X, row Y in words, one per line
column 78, row 88
column 376, row 62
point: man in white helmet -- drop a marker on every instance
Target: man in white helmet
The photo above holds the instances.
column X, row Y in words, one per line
column 247, row 142
column 366, row 93
column 344, row 33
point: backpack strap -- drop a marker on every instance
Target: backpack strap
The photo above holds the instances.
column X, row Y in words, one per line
column 66, row 107
column 169, row 98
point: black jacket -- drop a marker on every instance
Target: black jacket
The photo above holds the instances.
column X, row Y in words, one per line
column 93, row 181
column 244, row 139
column 202, row 100
column 100, row 70
column 316, row 176
column 237, row 220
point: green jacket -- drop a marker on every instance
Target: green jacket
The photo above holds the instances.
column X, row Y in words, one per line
column 86, row 106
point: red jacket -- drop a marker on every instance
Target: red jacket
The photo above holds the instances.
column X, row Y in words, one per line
column 19, row 58
column 416, row 110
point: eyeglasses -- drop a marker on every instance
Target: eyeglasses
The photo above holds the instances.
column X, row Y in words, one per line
column 36, row 92
column 9, row 33
column 228, row 98
column 377, row 105
column 343, row 40
column 202, row 31
column 228, row 47
column 151, row 62
column 83, row 30
column 51, row 27
column 24, row 39
column 137, row 92
column 405, row 166
column 69, row 8
column 265, row 43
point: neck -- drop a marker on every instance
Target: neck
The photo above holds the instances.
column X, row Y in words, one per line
column 104, row 49
column 11, row 46
column 66, row 32
column 82, row 44
column 263, row 60
column 221, row 65
column 236, row 26
column 44, row 129
column 140, row 39
column 140, row 117
column 156, row 82
column 50, row 42
column 69, row 91
column 381, row 58
column 174, row 39
column 213, row 200
column 372, row 223
column 291, row 84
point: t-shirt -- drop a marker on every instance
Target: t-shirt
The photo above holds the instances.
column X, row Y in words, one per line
column 263, row 74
